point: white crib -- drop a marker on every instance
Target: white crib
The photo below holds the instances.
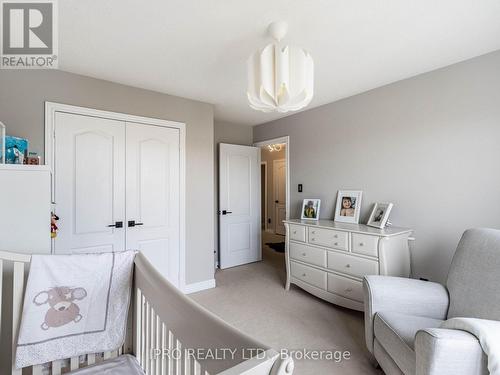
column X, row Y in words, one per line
column 160, row 317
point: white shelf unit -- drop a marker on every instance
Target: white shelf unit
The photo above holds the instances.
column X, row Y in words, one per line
column 25, row 207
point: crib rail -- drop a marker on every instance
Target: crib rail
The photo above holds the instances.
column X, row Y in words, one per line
column 167, row 331
column 14, row 264
column 167, row 318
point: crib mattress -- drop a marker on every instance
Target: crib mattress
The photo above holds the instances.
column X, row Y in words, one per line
column 122, row 365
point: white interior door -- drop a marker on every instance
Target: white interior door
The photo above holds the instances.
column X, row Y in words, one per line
column 89, row 183
column 239, row 205
column 152, row 191
column 279, row 195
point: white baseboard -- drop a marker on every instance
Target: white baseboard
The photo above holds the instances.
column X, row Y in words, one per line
column 197, row 287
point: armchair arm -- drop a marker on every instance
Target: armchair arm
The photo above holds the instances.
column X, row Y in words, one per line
column 449, row 352
column 407, row 296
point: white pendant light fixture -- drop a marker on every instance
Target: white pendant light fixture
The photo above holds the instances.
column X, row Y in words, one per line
column 280, row 77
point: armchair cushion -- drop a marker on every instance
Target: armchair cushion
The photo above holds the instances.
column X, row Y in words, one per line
column 401, row 295
column 448, row 352
column 396, row 334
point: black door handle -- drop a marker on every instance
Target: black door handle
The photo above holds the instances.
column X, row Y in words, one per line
column 224, row 212
column 118, row 224
column 132, row 223
column 276, row 201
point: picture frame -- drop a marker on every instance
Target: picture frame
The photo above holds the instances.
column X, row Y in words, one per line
column 348, row 206
column 380, row 215
column 310, row 209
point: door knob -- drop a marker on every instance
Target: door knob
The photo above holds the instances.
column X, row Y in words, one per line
column 132, row 223
column 118, row 224
column 276, row 201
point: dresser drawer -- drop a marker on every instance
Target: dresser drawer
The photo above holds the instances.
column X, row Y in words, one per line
column 345, row 287
column 308, row 254
column 365, row 244
column 352, row 265
column 330, row 238
column 309, row 275
column 298, row 233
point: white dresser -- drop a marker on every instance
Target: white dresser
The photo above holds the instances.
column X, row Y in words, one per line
column 329, row 259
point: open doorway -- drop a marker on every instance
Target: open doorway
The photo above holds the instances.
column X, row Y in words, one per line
column 274, row 197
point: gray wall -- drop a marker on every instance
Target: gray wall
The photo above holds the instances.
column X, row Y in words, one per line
column 225, row 132
column 429, row 144
column 22, row 97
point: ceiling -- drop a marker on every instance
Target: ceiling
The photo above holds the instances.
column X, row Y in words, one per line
column 198, row 48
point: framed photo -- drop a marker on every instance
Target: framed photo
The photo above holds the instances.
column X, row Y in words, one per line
column 380, row 215
column 310, row 209
column 348, row 206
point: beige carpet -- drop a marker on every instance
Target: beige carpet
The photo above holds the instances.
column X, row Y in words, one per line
column 252, row 298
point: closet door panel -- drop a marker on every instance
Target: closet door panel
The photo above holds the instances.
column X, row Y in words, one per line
column 152, row 196
column 89, row 183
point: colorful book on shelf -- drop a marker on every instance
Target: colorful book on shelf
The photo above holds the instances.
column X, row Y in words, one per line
column 16, row 149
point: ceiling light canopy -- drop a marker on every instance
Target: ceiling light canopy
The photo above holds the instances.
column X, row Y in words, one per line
column 280, row 77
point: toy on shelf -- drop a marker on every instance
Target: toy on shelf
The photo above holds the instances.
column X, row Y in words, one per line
column 32, row 159
column 53, row 225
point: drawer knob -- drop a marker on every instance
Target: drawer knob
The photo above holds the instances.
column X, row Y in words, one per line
column 313, row 239
column 294, row 232
column 313, row 232
column 348, row 265
column 336, row 236
column 304, row 275
column 336, row 244
column 361, row 244
column 303, row 254
column 348, row 290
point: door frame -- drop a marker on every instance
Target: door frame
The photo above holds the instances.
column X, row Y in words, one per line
column 286, row 140
column 51, row 108
column 275, row 161
column 264, row 163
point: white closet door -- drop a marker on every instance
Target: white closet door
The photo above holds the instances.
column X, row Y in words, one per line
column 153, row 195
column 89, row 183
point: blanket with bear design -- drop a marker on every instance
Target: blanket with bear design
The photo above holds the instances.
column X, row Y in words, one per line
column 74, row 304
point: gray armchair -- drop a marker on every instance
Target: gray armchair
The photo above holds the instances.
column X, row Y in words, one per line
column 402, row 316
